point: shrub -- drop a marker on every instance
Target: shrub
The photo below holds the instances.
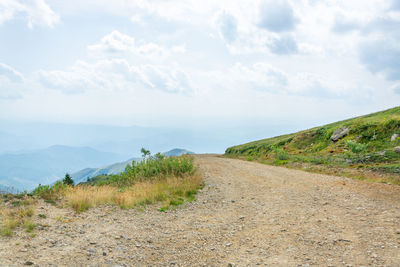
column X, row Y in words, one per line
column 355, row 147
column 151, row 168
column 281, row 154
column 48, row 192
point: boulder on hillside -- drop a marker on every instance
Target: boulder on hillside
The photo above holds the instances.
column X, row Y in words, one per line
column 339, row 133
column 394, row 137
column 397, row 149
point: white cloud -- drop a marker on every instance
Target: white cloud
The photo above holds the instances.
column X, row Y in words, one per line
column 395, row 88
column 265, row 77
column 277, row 16
column 113, row 43
column 10, row 73
column 114, row 75
column 227, row 25
column 260, row 76
column 8, row 90
column 283, row 45
column 161, row 52
column 37, row 12
column 382, row 56
column 117, row 43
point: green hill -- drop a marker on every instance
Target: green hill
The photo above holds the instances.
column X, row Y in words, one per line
column 362, row 147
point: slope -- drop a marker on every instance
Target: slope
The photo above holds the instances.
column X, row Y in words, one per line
column 355, row 146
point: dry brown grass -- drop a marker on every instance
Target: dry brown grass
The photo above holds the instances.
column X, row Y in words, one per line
column 12, row 217
column 81, row 198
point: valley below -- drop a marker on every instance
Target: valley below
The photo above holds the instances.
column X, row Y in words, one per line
column 247, row 214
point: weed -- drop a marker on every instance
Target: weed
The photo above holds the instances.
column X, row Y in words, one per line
column 4, row 231
column 14, row 217
column 29, row 226
column 50, row 201
column 176, row 202
column 164, row 208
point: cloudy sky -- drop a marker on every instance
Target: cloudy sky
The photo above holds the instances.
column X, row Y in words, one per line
column 190, row 62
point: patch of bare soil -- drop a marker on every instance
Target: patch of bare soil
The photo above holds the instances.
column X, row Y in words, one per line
column 247, row 214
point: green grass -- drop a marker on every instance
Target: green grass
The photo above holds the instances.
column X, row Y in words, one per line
column 367, row 147
column 170, row 180
column 150, row 168
column 29, row 226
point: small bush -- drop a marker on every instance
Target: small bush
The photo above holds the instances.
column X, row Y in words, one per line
column 50, row 193
column 281, row 154
column 355, row 147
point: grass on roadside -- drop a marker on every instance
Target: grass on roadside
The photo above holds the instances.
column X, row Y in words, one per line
column 167, row 190
column 13, row 216
column 169, row 180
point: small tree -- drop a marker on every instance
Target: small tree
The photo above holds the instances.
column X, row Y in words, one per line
column 68, row 180
column 145, row 152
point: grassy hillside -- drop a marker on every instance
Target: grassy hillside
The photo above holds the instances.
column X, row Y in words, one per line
column 366, row 150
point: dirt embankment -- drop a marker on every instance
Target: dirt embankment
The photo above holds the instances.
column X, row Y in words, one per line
column 247, row 214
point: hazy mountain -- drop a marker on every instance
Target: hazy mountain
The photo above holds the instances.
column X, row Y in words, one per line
column 177, row 152
column 128, row 140
column 116, row 168
column 24, row 170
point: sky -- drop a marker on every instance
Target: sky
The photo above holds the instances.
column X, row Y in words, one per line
column 191, row 63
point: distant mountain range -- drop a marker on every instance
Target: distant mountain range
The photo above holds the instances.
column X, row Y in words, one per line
column 176, row 152
column 117, row 168
column 25, row 170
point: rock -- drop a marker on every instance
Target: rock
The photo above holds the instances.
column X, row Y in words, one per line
column 104, row 253
column 382, row 153
column 394, row 137
column 397, row 149
column 339, row 133
column 28, row 263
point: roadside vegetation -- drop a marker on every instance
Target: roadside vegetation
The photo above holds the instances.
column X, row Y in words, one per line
column 16, row 211
column 169, row 180
column 365, row 147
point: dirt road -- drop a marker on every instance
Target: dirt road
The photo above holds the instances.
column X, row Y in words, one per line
column 247, row 214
